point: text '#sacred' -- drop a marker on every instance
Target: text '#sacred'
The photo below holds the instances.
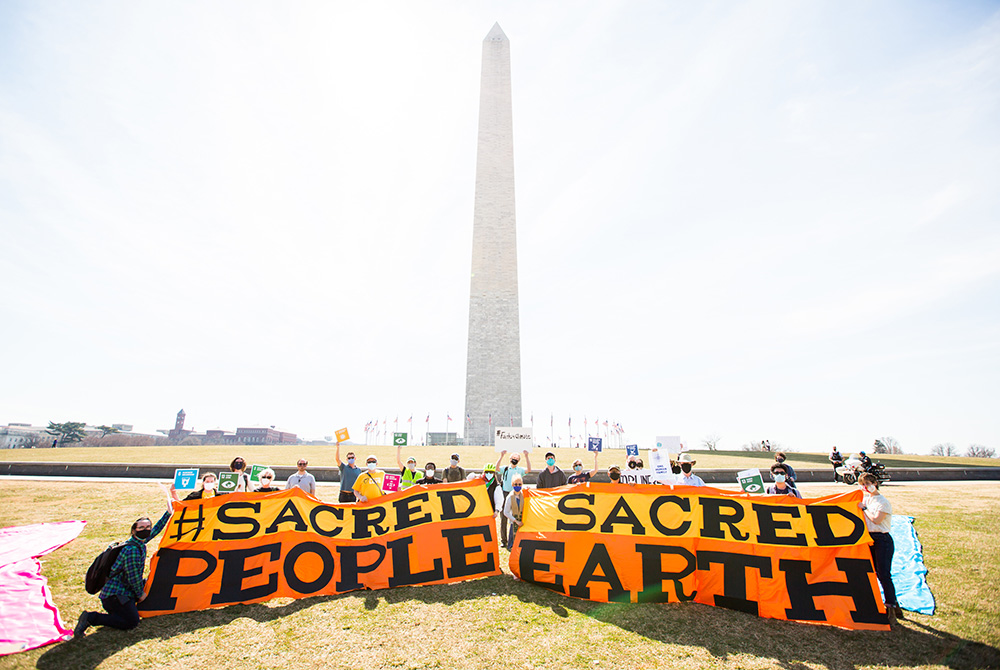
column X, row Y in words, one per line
column 773, row 556
column 248, row 548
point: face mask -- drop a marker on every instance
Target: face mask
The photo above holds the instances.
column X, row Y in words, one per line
column 209, row 486
column 550, row 461
column 578, row 468
column 144, row 533
column 780, row 460
column 516, row 487
column 778, row 478
column 514, row 462
column 454, row 461
column 412, row 467
column 372, row 466
column 429, row 473
column 871, row 489
column 350, row 461
column 488, row 475
column 631, row 466
column 615, row 476
column 676, row 469
column 686, row 467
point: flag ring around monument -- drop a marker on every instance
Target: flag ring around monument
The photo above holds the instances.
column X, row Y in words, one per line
column 774, row 556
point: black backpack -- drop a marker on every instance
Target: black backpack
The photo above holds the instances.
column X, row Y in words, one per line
column 100, row 570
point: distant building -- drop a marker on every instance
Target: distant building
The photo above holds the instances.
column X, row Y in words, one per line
column 24, row 436
column 178, row 432
column 260, row 436
column 443, row 439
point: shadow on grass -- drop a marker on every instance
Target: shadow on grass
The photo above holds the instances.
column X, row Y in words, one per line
column 722, row 633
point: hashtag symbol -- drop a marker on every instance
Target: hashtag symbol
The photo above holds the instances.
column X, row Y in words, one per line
column 198, row 521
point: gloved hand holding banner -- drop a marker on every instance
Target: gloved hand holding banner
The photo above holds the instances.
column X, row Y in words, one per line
column 773, row 556
column 248, row 548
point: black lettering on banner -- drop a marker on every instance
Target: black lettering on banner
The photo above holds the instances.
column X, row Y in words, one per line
column 858, row 588
column 167, row 575
column 448, row 509
column 234, row 571
column 654, row 515
column 653, row 575
column 405, row 510
column 714, row 518
column 528, row 567
column 734, row 577
column 769, row 526
column 292, row 557
column 622, row 513
column 182, row 520
column 564, row 507
column 366, row 518
column 825, row 537
column 599, row 558
column 224, row 518
column 350, row 568
column 458, row 552
column 337, row 512
column 402, row 574
column 288, row 514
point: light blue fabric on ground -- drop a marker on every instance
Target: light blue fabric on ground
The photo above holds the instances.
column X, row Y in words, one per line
column 909, row 574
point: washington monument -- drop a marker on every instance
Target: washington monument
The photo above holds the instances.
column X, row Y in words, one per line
column 493, row 370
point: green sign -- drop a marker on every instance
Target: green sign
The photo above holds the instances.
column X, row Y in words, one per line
column 750, row 480
column 399, row 439
column 255, row 472
column 228, row 481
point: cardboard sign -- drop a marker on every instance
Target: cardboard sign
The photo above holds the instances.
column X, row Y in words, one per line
column 660, row 460
column 637, row 476
column 399, row 439
column 594, row 444
column 670, row 443
column 512, row 439
column 750, row 480
column 255, row 471
column 390, row 483
column 228, row 481
column 631, row 450
column 185, row 479
column 342, row 435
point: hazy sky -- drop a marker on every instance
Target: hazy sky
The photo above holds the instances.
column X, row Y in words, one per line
column 769, row 220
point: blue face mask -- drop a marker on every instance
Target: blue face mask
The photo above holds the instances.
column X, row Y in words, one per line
column 778, row 479
column 550, row 461
column 516, row 487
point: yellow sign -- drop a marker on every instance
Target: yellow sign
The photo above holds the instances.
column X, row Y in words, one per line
column 342, row 435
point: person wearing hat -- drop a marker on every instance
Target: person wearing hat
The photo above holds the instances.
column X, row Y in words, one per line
column 409, row 475
column 493, row 487
column 429, row 470
column 615, row 474
column 686, row 478
column 866, row 462
column 580, row 476
column 369, row 484
column 551, row 477
column 453, row 473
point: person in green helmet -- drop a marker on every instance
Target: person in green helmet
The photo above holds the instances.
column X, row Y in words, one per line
column 493, row 487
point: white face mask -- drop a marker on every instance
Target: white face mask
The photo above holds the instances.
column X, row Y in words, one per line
column 373, row 466
column 412, row 467
column 778, row 479
column 871, row 489
column 429, row 473
column 209, row 486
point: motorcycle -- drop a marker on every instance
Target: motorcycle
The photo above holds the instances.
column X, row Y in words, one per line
column 852, row 469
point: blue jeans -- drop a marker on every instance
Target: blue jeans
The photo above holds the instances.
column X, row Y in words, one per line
column 882, row 551
column 510, row 539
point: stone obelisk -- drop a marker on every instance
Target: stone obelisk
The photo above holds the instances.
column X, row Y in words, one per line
column 493, row 370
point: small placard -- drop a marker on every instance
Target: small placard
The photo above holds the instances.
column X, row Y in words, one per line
column 255, row 471
column 660, row 460
column 185, row 479
column 671, row 443
column 631, row 450
column 636, row 477
column 343, row 435
column 750, row 480
column 228, row 481
column 594, row 443
column 512, row 439
column 399, row 439
column 390, row 483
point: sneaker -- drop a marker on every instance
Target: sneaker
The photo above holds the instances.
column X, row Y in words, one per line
column 81, row 625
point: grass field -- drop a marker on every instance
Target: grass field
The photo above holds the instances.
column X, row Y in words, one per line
column 472, row 457
column 501, row 623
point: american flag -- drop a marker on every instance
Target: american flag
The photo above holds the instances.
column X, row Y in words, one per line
column 428, row 419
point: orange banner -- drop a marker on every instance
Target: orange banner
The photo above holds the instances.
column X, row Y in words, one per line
column 248, row 548
column 773, row 556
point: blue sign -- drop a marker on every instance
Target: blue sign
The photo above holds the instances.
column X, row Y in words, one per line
column 185, row 479
column 631, row 450
column 593, row 444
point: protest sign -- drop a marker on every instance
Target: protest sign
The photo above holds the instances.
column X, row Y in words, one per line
column 512, row 439
column 750, row 480
column 631, row 450
column 660, row 460
column 669, row 443
column 390, row 483
column 638, row 476
column 255, row 472
column 185, row 479
column 800, row 560
column 245, row 548
column 342, row 435
column 594, row 444
column 399, row 439
column 228, row 481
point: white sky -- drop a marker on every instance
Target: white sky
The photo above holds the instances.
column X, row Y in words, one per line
column 763, row 220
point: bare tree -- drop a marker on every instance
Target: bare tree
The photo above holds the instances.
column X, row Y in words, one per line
column 980, row 451
column 945, row 449
column 711, row 442
column 887, row 445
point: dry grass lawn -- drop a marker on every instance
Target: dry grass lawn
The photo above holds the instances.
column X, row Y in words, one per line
column 500, row 623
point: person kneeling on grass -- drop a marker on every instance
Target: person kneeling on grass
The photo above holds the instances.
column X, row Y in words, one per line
column 124, row 589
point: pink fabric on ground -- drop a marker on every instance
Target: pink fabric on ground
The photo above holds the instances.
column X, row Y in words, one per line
column 28, row 617
column 20, row 542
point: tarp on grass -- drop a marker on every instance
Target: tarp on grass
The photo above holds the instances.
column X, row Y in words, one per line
column 909, row 574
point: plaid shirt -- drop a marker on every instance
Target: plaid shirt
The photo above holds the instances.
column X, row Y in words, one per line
column 126, row 574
